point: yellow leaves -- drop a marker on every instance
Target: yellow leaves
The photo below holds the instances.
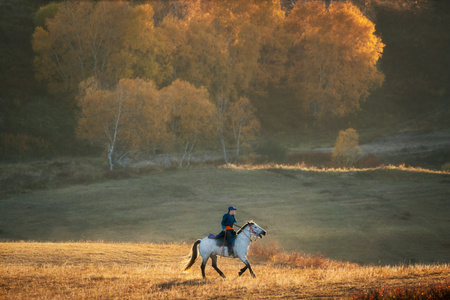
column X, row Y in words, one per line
column 191, row 114
column 102, row 39
column 223, row 42
column 43, row 65
column 346, row 150
column 135, row 116
column 42, row 42
column 139, row 28
column 335, row 54
column 243, row 120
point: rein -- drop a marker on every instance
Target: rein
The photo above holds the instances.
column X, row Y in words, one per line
column 251, row 230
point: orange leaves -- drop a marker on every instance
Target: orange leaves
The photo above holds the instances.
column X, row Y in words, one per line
column 335, row 54
column 136, row 117
column 116, row 120
column 234, row 49
column 191, row 115
column 87, row 39
column 346, row 150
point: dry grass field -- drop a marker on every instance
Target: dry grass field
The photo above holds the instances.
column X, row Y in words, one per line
column 88, row 270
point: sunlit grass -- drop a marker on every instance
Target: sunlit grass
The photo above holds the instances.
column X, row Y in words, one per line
column 151, row 271
column 305, row 167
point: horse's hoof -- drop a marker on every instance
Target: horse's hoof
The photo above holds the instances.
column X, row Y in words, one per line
column 223, row 276
column 253, row 275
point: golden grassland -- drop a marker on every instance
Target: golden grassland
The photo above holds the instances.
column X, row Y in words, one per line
column 95, row 270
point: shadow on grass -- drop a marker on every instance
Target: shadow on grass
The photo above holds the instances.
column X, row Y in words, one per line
column 185, row 283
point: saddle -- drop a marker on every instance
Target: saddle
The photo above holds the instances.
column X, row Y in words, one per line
column 220, row 239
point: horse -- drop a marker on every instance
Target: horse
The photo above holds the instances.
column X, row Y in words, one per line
column 210, row 248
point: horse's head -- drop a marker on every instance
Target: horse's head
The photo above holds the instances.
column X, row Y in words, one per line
column 254, row 229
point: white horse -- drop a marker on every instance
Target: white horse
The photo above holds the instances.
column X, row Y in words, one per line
column 211, row 248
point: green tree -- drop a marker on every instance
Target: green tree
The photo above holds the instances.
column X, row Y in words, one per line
column 44, row 13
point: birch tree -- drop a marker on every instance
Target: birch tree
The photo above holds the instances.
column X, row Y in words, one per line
column 243, row 123
column 191, row 118
column 118, row 120
column 221, row 50
column 333, row 63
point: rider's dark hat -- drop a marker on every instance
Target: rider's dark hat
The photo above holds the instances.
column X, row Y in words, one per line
column 232, row 208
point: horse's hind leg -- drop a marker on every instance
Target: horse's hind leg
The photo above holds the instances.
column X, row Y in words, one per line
column 250, row 269
column 214, row 264
column 203, row 267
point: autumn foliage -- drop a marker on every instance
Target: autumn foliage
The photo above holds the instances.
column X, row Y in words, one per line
column 228, row 51
column 419, row 292
column 346, row 150
column 136, row 117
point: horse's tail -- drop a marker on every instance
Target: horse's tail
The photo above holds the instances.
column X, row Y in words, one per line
column 194, row 255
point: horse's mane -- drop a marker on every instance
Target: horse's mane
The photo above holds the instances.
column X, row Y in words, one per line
column 245, row 225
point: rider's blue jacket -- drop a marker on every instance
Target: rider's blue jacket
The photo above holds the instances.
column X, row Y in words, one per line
column 228, row 220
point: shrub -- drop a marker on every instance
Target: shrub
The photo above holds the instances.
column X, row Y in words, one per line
column 346, row 150
column 434, row 291
column 274, row 253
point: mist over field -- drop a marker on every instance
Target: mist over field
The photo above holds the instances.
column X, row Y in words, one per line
column 373, row 217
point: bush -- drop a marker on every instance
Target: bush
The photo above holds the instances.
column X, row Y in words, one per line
column 346, row 150
column 434, row 291
column 272, row 151
column 274, row 253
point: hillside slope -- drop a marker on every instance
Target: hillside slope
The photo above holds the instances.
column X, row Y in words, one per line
column 379, row 216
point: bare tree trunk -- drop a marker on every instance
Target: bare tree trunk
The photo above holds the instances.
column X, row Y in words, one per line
column 114, row 139
column 237, row 137
column 187, row 152
column 221, row 103
column 224, row 147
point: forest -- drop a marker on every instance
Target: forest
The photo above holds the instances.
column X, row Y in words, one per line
column 133, row 78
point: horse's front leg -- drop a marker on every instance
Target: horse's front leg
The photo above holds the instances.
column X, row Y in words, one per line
column 214, row 264
column 243, row 270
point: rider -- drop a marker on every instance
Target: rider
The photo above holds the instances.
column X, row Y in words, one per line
column 228, row 221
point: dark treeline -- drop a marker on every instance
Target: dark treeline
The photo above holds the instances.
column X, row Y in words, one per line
column 34, row 122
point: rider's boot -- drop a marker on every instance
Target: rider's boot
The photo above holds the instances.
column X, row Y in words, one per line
column 230, row 250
